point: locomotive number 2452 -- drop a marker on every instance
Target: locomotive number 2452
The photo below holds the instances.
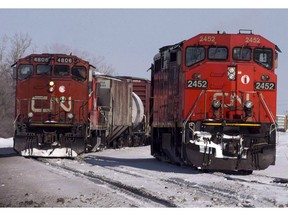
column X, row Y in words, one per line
column 197, row 84
column 207, row 38
column 264, row 85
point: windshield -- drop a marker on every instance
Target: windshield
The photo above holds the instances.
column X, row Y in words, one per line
column 61, row 70
column 43, row 69
column 242, row 53
column 25, row 71
column 264, row 56
column 217, row 53
column 79, row 72
column 194, row 55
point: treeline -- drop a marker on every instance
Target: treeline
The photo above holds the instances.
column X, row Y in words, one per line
column 11, row 49
column 17, row 46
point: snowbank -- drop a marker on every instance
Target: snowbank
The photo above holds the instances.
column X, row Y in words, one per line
column 6, row 143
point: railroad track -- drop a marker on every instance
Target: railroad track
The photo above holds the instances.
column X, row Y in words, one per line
column 144, row 198
column 174, row 186
column 231, row 196
column 256, row 179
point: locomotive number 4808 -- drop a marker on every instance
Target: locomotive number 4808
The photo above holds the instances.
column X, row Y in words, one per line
column 197, row 84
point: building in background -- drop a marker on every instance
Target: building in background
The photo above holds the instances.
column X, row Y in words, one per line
column 282, row 122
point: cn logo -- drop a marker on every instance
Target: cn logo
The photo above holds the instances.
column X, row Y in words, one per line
column 245, row 79
column 34, row 107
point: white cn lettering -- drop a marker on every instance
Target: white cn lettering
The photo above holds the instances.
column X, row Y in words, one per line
column 40, row 109
column 62, row 105
column 233, row 98
column 46, row 109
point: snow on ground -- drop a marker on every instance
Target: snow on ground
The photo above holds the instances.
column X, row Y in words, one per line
column 136, row 167
column 6, row 143
column 6, row 146
column 279, row 170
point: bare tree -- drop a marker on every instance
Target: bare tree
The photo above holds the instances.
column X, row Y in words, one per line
column 101, row 66
column 11, row 49
column 3, row 57
column 19, row 45
column 16, row 46
column 98, row 62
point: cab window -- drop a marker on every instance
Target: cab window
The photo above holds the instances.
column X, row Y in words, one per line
column 25, row 71
column 242, row 53
column 264, row 57
column 79, row 73
column 43, row 69
column 61, row 70
column 194, row 55
column 217, row 53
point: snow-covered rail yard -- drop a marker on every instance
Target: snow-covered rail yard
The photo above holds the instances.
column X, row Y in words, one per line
column 131, row 177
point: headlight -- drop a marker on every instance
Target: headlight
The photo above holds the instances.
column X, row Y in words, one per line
column 51, row 83
column 248, row 104
column 231, row 73
column 30, row 114
column 196, row 76
column 265, row 77
column 216, row 104
column 51, row 86
column 70, row 115
column 51, row 89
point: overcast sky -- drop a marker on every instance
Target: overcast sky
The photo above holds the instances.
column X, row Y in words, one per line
column 128, row 39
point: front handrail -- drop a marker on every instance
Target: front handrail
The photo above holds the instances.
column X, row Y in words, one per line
column 193, row 108
column 269, row 112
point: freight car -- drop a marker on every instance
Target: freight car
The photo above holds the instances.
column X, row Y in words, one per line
column 141, row 87
column 214, row 102
column 121, row 111
column 62, row 109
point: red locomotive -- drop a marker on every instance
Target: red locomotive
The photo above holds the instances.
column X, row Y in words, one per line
column 213, row 102
column 62, row 109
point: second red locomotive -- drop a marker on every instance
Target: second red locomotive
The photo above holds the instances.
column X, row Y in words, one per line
column 63, row 108
column 213, row 102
